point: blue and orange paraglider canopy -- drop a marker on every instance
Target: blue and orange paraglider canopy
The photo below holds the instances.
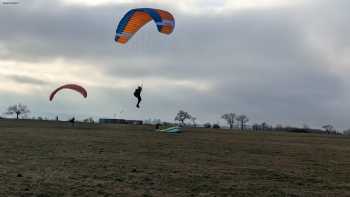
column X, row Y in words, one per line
column 74, row 87
column 135, row 19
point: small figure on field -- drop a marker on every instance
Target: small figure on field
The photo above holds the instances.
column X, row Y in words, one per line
column 72, row 121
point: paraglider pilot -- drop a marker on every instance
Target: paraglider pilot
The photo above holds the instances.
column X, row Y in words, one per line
column 157, row 126
column 137, row 94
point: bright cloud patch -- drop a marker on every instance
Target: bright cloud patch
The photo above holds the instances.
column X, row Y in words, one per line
column 27, row 77
column 195, row 6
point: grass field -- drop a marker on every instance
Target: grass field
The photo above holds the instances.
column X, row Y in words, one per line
column 54, row 159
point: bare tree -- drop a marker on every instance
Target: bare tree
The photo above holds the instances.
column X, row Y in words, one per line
column 264, row 126
column 193, row 119
column 89, row 120
column 230, row 119
column 242, row 119
column 256, row 127
column 19, row 110
column 182, row 116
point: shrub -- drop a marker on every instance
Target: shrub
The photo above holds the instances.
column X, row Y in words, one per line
column 216, row 126
column 207, row 125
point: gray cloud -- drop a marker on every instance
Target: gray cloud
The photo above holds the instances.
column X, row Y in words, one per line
column 260, row 62
column 26, row 80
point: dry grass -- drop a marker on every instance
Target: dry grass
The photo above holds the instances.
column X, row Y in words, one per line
column 53, row 159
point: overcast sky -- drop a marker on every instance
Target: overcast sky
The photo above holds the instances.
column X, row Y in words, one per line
column 278, row 61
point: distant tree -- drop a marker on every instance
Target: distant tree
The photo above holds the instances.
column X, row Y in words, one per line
column 216, row 126
column 207, row 125
column 264, row 126
column 256, row 127
column 182, row 116
column 19, row 110
column 230, row 119
column 89, row 120
column 328, row 128
column 193, row 119
column 242, row 119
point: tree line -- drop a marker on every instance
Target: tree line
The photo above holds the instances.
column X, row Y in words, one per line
column 231, row 119
column 234, row 121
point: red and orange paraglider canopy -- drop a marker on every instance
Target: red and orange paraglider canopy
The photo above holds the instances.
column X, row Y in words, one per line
column 74, row 87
